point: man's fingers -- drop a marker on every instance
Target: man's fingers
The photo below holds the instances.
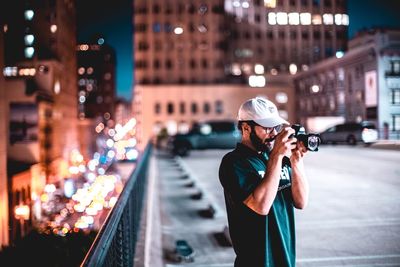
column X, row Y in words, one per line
column 286, row 133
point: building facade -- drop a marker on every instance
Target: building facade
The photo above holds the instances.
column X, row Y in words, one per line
column 40, row 100
column 96, row 80
column 4, row 234
column 363, row 85
column 203, row 50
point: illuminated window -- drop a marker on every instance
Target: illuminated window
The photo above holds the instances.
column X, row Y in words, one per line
column 29, row 51
column 281, row 98
column 345, row 19
column 292, row 68
column 236, row 3
column 29, row 38
column 29, row 14
column 81, row 70
column 259, row 69
column 245, row 4
column 294, row 19
column 256, row 81
column 203, row 9
column 396, row 66
column 53, row 28
column 236, row 69
column 305, row 18
column 328, row 19
column 178, row 30
column 202, row 28
column 270, row 3
column 271, row 18
column 89, row 70
column 317, row 19
column 282, row 18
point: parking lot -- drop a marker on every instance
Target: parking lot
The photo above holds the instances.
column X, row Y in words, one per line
column 353, row 218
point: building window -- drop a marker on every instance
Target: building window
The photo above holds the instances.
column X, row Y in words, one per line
column 168, row 27
column 219, row 107
column 192, row 64
column 396, row 122
column 143, row 46
column 140, row 27
column 182, row 108
column 194, row 108
column 170, row 108
column 156, row 9
column 168, row 64
column 395, row 67
column 206, row 108
column 156, row 64
column 156, row 27
column 203, row 9
column 395, row 97
column 157, row 108
column 204, row 64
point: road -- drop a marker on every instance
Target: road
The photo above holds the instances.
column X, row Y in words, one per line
column 353, row 216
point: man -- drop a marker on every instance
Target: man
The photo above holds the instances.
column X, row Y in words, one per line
column 263, row 181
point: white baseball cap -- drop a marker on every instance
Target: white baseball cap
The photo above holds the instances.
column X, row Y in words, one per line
column 261, row 111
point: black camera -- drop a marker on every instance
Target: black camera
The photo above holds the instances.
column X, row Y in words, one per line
column 311, row 140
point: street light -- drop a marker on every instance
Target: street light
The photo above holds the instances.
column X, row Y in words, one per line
column 21, row 213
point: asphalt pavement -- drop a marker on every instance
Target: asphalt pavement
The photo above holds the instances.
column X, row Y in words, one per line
column 353, row 218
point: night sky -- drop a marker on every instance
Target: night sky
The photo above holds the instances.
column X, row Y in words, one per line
column 112, row 19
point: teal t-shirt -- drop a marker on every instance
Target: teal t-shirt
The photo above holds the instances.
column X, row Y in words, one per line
column 258, row 240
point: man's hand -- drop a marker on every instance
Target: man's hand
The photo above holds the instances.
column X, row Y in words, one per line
column 283, row 144
column 298, row 152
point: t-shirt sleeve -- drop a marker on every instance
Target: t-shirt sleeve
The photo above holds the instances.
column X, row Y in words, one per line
column 238, row 178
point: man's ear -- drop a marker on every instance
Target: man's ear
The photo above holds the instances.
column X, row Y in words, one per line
column 246, row 127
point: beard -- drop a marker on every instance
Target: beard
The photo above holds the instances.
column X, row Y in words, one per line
column 259, row 144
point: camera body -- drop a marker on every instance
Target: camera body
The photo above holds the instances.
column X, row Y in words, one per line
column 311, row 140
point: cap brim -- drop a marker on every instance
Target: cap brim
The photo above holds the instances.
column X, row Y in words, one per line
column 271, row 122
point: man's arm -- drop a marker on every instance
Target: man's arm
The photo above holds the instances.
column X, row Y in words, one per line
column 300, row 189
column 264, row 194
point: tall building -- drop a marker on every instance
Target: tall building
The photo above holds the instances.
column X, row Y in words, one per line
column 40, row 99
column 363, row 85
column 96, row 91
column 4, row 234
column 96, row 79
column 197, row 61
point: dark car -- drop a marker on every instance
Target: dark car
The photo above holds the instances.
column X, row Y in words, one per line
column 212, row 134
column 350, row 133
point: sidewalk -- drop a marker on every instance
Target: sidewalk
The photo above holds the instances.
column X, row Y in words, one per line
column 387, row 144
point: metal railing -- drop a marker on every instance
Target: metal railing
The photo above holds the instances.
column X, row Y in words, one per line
column 115, row 243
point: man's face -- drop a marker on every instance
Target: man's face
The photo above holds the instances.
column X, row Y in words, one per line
column 262, row 138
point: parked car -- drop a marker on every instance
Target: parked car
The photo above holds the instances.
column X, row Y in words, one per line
column 211, row 134
column 350, row 133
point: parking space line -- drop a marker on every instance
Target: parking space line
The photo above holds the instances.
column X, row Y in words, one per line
column 348, row 258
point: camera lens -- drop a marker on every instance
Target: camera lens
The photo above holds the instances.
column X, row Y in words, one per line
column 313, row 142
